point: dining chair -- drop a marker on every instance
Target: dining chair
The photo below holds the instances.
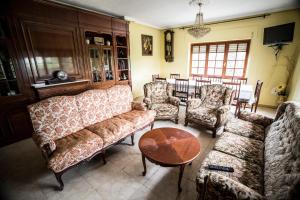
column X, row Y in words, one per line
column 258, row 87
column 215, row 79
column 243, row 81
column 175, row 76
column 182, row 89
column 161, row 79
column 198, row 84
column 154, row 77
column 197, row 77
column 236, row 87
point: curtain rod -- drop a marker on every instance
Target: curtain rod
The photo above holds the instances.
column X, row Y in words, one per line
column 231, row 20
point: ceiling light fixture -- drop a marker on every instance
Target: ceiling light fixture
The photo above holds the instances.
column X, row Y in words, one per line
column 198, row 30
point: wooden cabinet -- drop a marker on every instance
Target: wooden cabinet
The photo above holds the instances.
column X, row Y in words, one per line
column 38, row 37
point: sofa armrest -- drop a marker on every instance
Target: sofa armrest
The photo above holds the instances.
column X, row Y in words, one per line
column 218, row 186
column 255, row 118
column 193, row 103
column 222, row 114
column 46, row 144
column 147, row 101
column 174, row 100
column 136, row 105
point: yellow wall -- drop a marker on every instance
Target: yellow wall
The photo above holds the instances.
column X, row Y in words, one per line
column 294, row 91
column 142, row 67
column 262, row 64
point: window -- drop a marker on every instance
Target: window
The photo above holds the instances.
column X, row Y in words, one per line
column 222, row 59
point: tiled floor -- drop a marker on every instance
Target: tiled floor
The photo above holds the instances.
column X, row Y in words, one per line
column 23, row 174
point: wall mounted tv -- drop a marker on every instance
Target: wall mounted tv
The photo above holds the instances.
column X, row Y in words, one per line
column 279, row 34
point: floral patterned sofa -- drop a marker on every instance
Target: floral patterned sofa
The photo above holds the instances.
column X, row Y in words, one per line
column 73, row 129
column 264, row 153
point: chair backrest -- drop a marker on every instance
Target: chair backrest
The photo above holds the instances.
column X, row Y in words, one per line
column 161, row 79
column 175, row 76
column 215, row 79
column 158, row 91
column 282, row 154
column 197, row 77
column 182, row 88
column 243, row 81
column 155, row 76
column 258, row 87
column 198, row 84
column 236, row 87
column 215, row 95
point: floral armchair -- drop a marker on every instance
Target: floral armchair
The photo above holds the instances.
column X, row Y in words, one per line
column 158, row 97
column 211, row 109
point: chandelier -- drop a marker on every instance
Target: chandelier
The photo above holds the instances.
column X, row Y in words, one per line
column 198, row 30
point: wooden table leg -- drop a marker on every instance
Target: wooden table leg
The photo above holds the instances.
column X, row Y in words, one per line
column 180, row 177
column 144, row 164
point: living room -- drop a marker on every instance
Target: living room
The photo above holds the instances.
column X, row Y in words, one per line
column 184, row 99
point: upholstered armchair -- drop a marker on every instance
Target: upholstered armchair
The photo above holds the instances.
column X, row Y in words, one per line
column 158, row 97
column 211, row 109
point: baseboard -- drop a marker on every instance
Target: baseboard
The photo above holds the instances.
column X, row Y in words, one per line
column 267, row 106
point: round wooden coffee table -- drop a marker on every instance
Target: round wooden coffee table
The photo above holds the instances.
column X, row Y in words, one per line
column 169, row 147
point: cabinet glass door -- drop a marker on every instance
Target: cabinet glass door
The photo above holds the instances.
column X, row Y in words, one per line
column 96, row 64
column 107, row 64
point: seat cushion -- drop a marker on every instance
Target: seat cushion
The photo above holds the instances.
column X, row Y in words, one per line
column 138, row 118
column 120, row 98
column 203, row 115
column 74, row 148
column 93, row 106
column 112, row 130
column 242, row 147
column 164, row 109
column 245, row 128
column 56, row 117
column 245, row 172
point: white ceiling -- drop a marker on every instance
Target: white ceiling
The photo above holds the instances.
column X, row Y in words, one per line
column 174, row 13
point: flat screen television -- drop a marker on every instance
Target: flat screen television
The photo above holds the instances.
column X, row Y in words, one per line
column 279, row 34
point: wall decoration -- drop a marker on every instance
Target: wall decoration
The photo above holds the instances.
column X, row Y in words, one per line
column 147, row 45
column 169, row 46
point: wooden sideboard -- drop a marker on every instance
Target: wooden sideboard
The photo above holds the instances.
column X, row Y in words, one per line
column 38, row 37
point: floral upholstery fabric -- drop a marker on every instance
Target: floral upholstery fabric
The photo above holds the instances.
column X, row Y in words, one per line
column 120, row 99
column 139, row 118
column 206, row 116
column 44, row 142
column 165, row 110
column 282, row 154
column 246, row 173
column 245, row 128
column 74, row 148
column 242, row 147
column 157, row 92
column 255, row 118
column 213, row 96
column 55, row 117
column 112, row 130
column 93, row 106
column 138, row 106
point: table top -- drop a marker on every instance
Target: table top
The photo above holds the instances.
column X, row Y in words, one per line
column 169, row 146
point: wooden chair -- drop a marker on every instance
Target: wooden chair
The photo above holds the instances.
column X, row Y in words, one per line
column 161, row 79
column 236, row 87
column 258, row 87
column 243, row 81
column 175, row 76
column 215, row 79
column 197, row 77
column 198, row 84
column 154, row 77
column 182, row 89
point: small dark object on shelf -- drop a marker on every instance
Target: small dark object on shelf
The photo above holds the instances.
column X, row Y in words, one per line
column 220, row 168
column 59, row 77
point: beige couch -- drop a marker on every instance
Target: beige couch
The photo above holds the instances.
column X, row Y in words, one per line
column 73, row 129
column 264, row 153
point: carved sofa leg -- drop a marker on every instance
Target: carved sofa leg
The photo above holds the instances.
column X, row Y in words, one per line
column 103, row 157
column 132, row 140
column 59, row 180
column 152, row 124
column 186, row 122
column 214, row 133
column 176, row 120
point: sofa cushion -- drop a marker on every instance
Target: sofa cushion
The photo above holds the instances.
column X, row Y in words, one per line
column 165, row 109
column 56, row 117
column 242, row 147
column 138, row 118
column 282, row 155
column 204, row 115
column 120, row 98
column 112, row 130
column 74, row 148
column 245, row 128
column 245, row 172
column 93, row 106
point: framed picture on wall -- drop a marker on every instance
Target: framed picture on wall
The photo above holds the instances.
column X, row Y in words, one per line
column 147, row 45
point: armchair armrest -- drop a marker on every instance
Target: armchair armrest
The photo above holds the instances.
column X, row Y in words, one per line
column 255, row 118
column 147, row 101
column 193, row 103
column 218, row 186
column 223, row 114
column 46, row 144
column 138, row 106
column 174, row 100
